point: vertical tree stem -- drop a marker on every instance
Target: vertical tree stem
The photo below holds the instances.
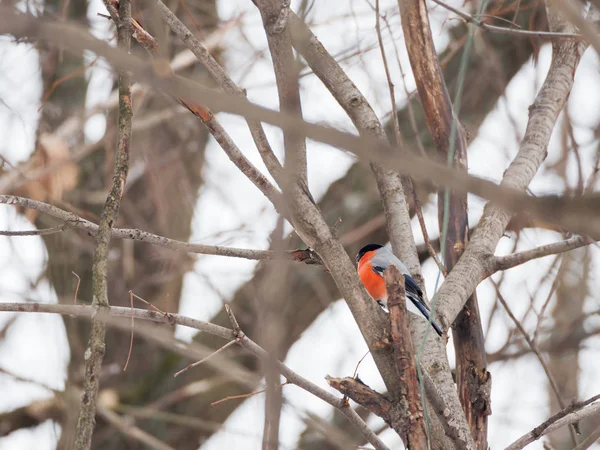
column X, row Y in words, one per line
column 96, row 346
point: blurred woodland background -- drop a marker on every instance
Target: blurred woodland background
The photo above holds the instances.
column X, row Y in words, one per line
column 537, row 328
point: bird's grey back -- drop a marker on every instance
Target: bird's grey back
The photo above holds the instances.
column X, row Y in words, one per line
column 384, row 257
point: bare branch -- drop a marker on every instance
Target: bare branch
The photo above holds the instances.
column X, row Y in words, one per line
column 96, row 346
column 362, row 394
column 197, row 363
column 511, row 31
column 227, row 84
column 451, row 144
column 216, row 330
column 44, row 232
column 575, row 214
column 516, row 259
column 306, row 256
column 571, row 414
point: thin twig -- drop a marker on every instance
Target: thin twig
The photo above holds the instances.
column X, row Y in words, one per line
column 43, row 232
column 535, row 350
column 430, row 249
column 511, row 31
column 76, row 287
column 237, row 397
column 197, row 363
column 131, row 338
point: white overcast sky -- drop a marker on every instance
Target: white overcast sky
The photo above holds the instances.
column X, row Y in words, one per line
column 36, row 345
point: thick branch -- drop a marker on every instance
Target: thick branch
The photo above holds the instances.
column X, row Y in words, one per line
column 451, row 143
column 413, row 432
column 362, row 394
column 478, row 262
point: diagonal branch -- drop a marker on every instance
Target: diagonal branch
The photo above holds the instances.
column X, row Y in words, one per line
column 111, row 312
column 575, row 214
column 571, row 414
column 227, row 84
column 516, row 259
column 478, row 261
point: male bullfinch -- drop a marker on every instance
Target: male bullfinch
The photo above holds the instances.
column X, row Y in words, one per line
column 372, row 260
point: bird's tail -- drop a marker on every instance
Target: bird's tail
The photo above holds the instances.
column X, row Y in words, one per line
column 426, row 314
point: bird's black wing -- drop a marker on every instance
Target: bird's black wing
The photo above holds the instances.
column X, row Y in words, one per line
column 413, row 288
column 415, row 295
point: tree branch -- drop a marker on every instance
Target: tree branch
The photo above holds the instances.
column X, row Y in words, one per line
column 172, row 319
column 478, row 262
column 450, row 140
column 575, row 214
column 73, row 221
column 571, row 414
column 96, row 346
column 410, row 405
column 516, row 259
column 227, row 84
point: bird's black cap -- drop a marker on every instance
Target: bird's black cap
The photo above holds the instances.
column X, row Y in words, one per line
column 366, row 249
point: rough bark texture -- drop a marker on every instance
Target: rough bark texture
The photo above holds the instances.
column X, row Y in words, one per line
column 413, row 430
column 449, row 137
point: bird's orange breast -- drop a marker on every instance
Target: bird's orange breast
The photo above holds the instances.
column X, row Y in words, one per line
column 372, row 281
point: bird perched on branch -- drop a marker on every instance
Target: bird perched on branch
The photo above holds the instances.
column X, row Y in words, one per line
column 372, row 261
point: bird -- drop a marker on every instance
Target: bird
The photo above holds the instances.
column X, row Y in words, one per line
column 372, row 260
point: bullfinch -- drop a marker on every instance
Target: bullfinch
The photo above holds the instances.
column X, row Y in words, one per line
column 372, row 260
